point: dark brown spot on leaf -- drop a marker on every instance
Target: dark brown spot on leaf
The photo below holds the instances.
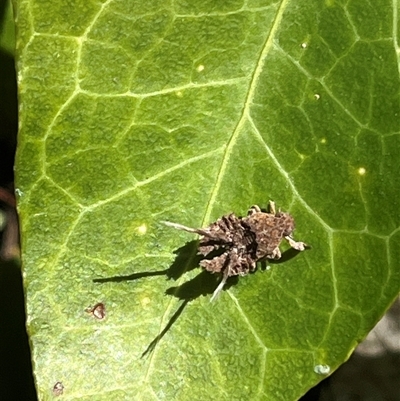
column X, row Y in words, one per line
column 58, row 389
column 98, row 311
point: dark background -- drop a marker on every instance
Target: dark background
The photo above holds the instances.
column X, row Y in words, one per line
column 371, row 374
column 16, row 381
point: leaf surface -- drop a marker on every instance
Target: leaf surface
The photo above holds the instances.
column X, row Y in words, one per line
column 133, row 113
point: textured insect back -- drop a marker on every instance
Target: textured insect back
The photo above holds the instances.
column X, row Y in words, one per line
column 268, row 234
column 242, row 242
column 230, row 234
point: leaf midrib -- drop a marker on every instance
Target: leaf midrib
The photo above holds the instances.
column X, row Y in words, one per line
column 245, row 112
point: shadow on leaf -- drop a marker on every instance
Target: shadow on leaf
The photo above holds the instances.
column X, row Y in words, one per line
column 185, row 260
column 203, row 284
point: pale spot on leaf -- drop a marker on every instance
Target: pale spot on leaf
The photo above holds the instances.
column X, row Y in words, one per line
column 322, row 369
column 144, row 301
column 142, row 229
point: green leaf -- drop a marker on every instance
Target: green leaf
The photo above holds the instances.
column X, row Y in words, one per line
column 133, row 113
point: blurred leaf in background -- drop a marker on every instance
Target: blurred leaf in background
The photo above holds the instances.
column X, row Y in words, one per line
column 8, row 94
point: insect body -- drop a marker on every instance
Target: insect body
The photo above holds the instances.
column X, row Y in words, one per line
column 243, row 241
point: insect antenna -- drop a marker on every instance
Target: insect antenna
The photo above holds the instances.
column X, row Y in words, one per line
column 188, row 229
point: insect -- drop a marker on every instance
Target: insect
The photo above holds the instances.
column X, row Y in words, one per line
column 243, row 241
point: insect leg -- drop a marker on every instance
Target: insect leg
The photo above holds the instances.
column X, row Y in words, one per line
column 271, row 205
column 299, row 246
column 221, row 284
